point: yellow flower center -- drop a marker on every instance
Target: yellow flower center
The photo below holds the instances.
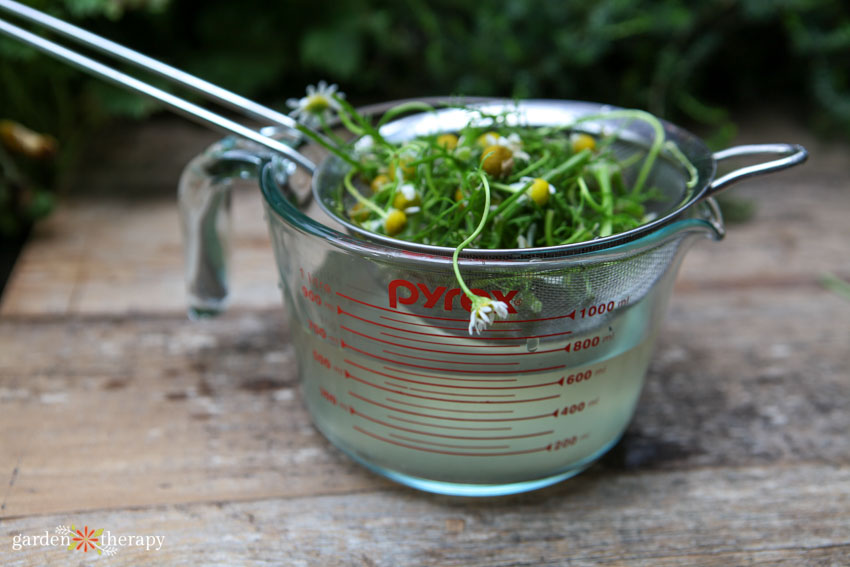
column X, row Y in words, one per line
column 395, row 221
column 497, row 160
column 379, row 181
column 447, row 141
column 583, row 142
column 317, row 104
column 358, row 212
column 407, row 171
column 400, row 201
column 487, row 139
column 539, row 191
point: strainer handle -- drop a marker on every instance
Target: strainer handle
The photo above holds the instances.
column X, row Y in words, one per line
column 204, row 198
column 794, row 154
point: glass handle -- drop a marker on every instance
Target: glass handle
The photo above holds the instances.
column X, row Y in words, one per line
column 204, row 198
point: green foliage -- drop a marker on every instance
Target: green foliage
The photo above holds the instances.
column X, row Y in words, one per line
column 686, row 61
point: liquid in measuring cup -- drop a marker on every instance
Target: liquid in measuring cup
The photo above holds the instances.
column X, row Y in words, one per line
column 419, row 400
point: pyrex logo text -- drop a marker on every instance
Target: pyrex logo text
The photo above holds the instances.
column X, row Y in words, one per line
column 408, row 293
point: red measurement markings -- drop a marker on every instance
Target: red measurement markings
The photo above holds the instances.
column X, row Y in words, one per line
column 580, row 377
column 441, row 327
column 459, row 394
column 446, row 452
column 343, row 344
column 563, row 443
column 353, row 411
column 448, row 445
column 415, row 340
column 341, row 311
column 449, row 427
column 450, row 418
column 560, row 382
column 399, row 312
column 449, row 400
column 442, row 393
column 317, row 329
column 324, row 361
column 526, row 353
column 311, row 295
column 475, row 362
column 422, row 349
column 488, row 380
column 571, row 315
column 371, row 338
column 464, row 410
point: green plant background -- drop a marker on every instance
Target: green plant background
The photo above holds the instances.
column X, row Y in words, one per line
column 690, row 62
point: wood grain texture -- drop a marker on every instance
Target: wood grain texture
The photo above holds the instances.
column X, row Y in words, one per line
column 117, row 412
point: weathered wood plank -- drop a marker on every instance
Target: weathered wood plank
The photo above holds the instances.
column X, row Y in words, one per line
column 711, row 517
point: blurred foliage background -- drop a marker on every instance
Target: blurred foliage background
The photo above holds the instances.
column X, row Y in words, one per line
column 690, row 62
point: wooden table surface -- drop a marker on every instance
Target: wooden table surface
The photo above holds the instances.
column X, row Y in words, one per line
column 118, row 413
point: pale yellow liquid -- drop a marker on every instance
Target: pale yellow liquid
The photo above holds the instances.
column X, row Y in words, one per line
column 403, row 428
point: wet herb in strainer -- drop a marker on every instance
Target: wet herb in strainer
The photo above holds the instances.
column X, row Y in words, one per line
column 491, row 184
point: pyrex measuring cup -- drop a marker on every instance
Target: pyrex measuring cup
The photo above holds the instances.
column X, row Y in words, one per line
column 391, row 375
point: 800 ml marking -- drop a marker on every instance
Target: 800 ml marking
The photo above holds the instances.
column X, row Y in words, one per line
column 323, row 360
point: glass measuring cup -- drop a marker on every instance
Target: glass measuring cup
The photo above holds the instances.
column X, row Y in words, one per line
column 391, row 375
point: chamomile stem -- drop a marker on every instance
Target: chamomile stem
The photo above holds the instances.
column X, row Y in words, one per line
column 412, row 106
column 349, row 124
column 547, row 227
column 603, row 178
column 654, row 148
column 329, row 132
column 693, row 176
column 328, row 146
column 352, row 190
column 473, row 236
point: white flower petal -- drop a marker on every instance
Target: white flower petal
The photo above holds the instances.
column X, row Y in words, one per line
column 501, row 309
column 408, row 190
column 364, row 144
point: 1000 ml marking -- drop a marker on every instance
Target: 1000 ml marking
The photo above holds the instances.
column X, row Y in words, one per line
column 602, row 308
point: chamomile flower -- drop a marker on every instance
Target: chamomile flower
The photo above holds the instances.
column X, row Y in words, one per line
column 483, row 313
column 538, row 191
column 514, row 143
column 319, row 104
column 499, row 156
